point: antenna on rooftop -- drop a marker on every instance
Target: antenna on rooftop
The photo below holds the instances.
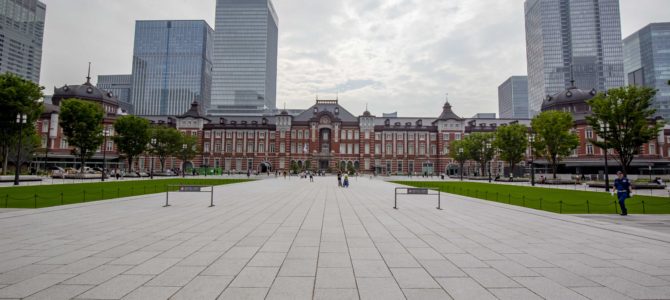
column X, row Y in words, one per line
column 88, row 77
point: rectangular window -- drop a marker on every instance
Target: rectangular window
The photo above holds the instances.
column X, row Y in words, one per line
column 367, row 149
column 378, row 136
column 229, row 146
column 261, row 147
column 410, row 149
column 229, row 134
column 282, row 134
column 273, row 135
column 350, row 149
column 208, row 134
column 433, row 150
column 350, row 134
column 272, row 148
column 357, row 149
column 433, row 137
column 400, row 136
column 217, row 134
column 240, row 148
column 300, row 135
column 194, row 133
column 458, row 137
column 293, row 150
column 589, row 134
column 589, row 149
column 342, row 149
column 356, row 135
column 307, row 135
column 400, row 166
column 389, row 149
column 250, row 147
column 378, row 149
column 217, row 147
column 367, row 135
column 652, row 149
column 282, row 148
column 401, row 149
column 446, row 136
column 422, row 149
column 410, row 137
column 45, row 127
column 110, row 146
column 206, row 147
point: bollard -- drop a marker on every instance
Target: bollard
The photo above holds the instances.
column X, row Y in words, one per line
column 486, row 195
column 561, row 209
column 118, row 192
column 61, row 198
column 540, row 203
column 84, row 196
column 588, row 206
column 644, row 210
column 35, row 200
column 6, row 200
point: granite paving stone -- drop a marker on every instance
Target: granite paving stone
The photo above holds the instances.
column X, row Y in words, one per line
column 277, row 238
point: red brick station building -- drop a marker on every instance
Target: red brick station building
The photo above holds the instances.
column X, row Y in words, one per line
column 328, row 137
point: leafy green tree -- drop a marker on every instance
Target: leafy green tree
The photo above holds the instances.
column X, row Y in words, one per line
column 168, row 143
column 480, row 149
column 29, row 144
column 132, row 136
column 188, row 148
column 554, row 138
column 17, row 96
column 629, row 118
column 512, row 142
column 460, row 156
column 82, row 125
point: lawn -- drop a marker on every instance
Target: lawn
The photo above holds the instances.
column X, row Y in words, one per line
column 553, row 200
column 63, row 194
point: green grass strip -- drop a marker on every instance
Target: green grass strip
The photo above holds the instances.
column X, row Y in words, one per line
column 547, row 199
column 40, row 196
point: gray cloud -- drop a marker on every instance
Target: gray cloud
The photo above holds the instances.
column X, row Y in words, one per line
column 396, row 55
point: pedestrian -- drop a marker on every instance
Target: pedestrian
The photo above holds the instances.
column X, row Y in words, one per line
column 339, row 179
column 248, row 173
column 624, row 191
column 311, row 177
column 346, row 181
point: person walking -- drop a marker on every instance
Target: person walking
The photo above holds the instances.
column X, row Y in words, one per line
column 311, row 177
column 346, row 181
column 624, row 191
column 339, row 179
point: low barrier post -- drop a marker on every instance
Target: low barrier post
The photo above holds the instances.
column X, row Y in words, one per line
column 61, row 198
column 84, row 196
column 561, row 207
column 35, row 200
column 644, row 210
column 588, row 206
column 6, row 200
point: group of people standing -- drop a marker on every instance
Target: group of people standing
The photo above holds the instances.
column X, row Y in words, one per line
column 342, row 180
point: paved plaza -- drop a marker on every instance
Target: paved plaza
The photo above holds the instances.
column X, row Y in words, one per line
column 291, row 239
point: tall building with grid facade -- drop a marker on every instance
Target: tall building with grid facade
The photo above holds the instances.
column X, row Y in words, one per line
column 647, row 62
column 172, row 66
column 569, row 40
column 245, row 56
column 513, row 98
column 21, row 37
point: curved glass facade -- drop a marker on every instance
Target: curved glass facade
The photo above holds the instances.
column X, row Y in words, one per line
column 245, row 55
column 171, row 66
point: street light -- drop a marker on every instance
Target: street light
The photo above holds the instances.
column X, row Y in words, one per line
column 488, row 148
column 105, row 133
column 153, row 144
column 460, row 159
column 531, row 139
column 183, row 162
column 607, row 173
column 21, row 119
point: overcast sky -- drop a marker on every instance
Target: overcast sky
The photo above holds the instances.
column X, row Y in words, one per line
column 396, row 55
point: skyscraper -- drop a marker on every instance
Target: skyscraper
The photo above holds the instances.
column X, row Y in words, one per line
column 513, row 98
column 171, row 66
column 120, row 86
column 572, row 39
column 245, row 55
column 647, row 62
column 21, row 37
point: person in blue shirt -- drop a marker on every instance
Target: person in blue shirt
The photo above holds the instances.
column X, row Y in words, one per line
column 624, row 191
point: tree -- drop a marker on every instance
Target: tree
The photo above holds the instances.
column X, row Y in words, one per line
column 82, row 125
column 168, row 143
column 17, row 96
column 29, row 144
column 460, row 156
column 188, row 148
column 554, row 138
column 480, row 149
column 628, row 114
column 512, row 142
column 132, row 136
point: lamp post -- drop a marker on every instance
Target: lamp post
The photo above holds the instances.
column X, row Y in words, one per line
column 488, row 148
column 460, row 159
column 105, row 133
column 183, row 162
column 531, row 139
column 21, row 119
column 151, row 172
column 607, row 173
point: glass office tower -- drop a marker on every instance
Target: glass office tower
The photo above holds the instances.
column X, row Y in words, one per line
column 21, row 37
column 572, row 39
column 647, row 62
column 513, row 98
column 245, row 55
column 120, row 86
column 171, row 66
